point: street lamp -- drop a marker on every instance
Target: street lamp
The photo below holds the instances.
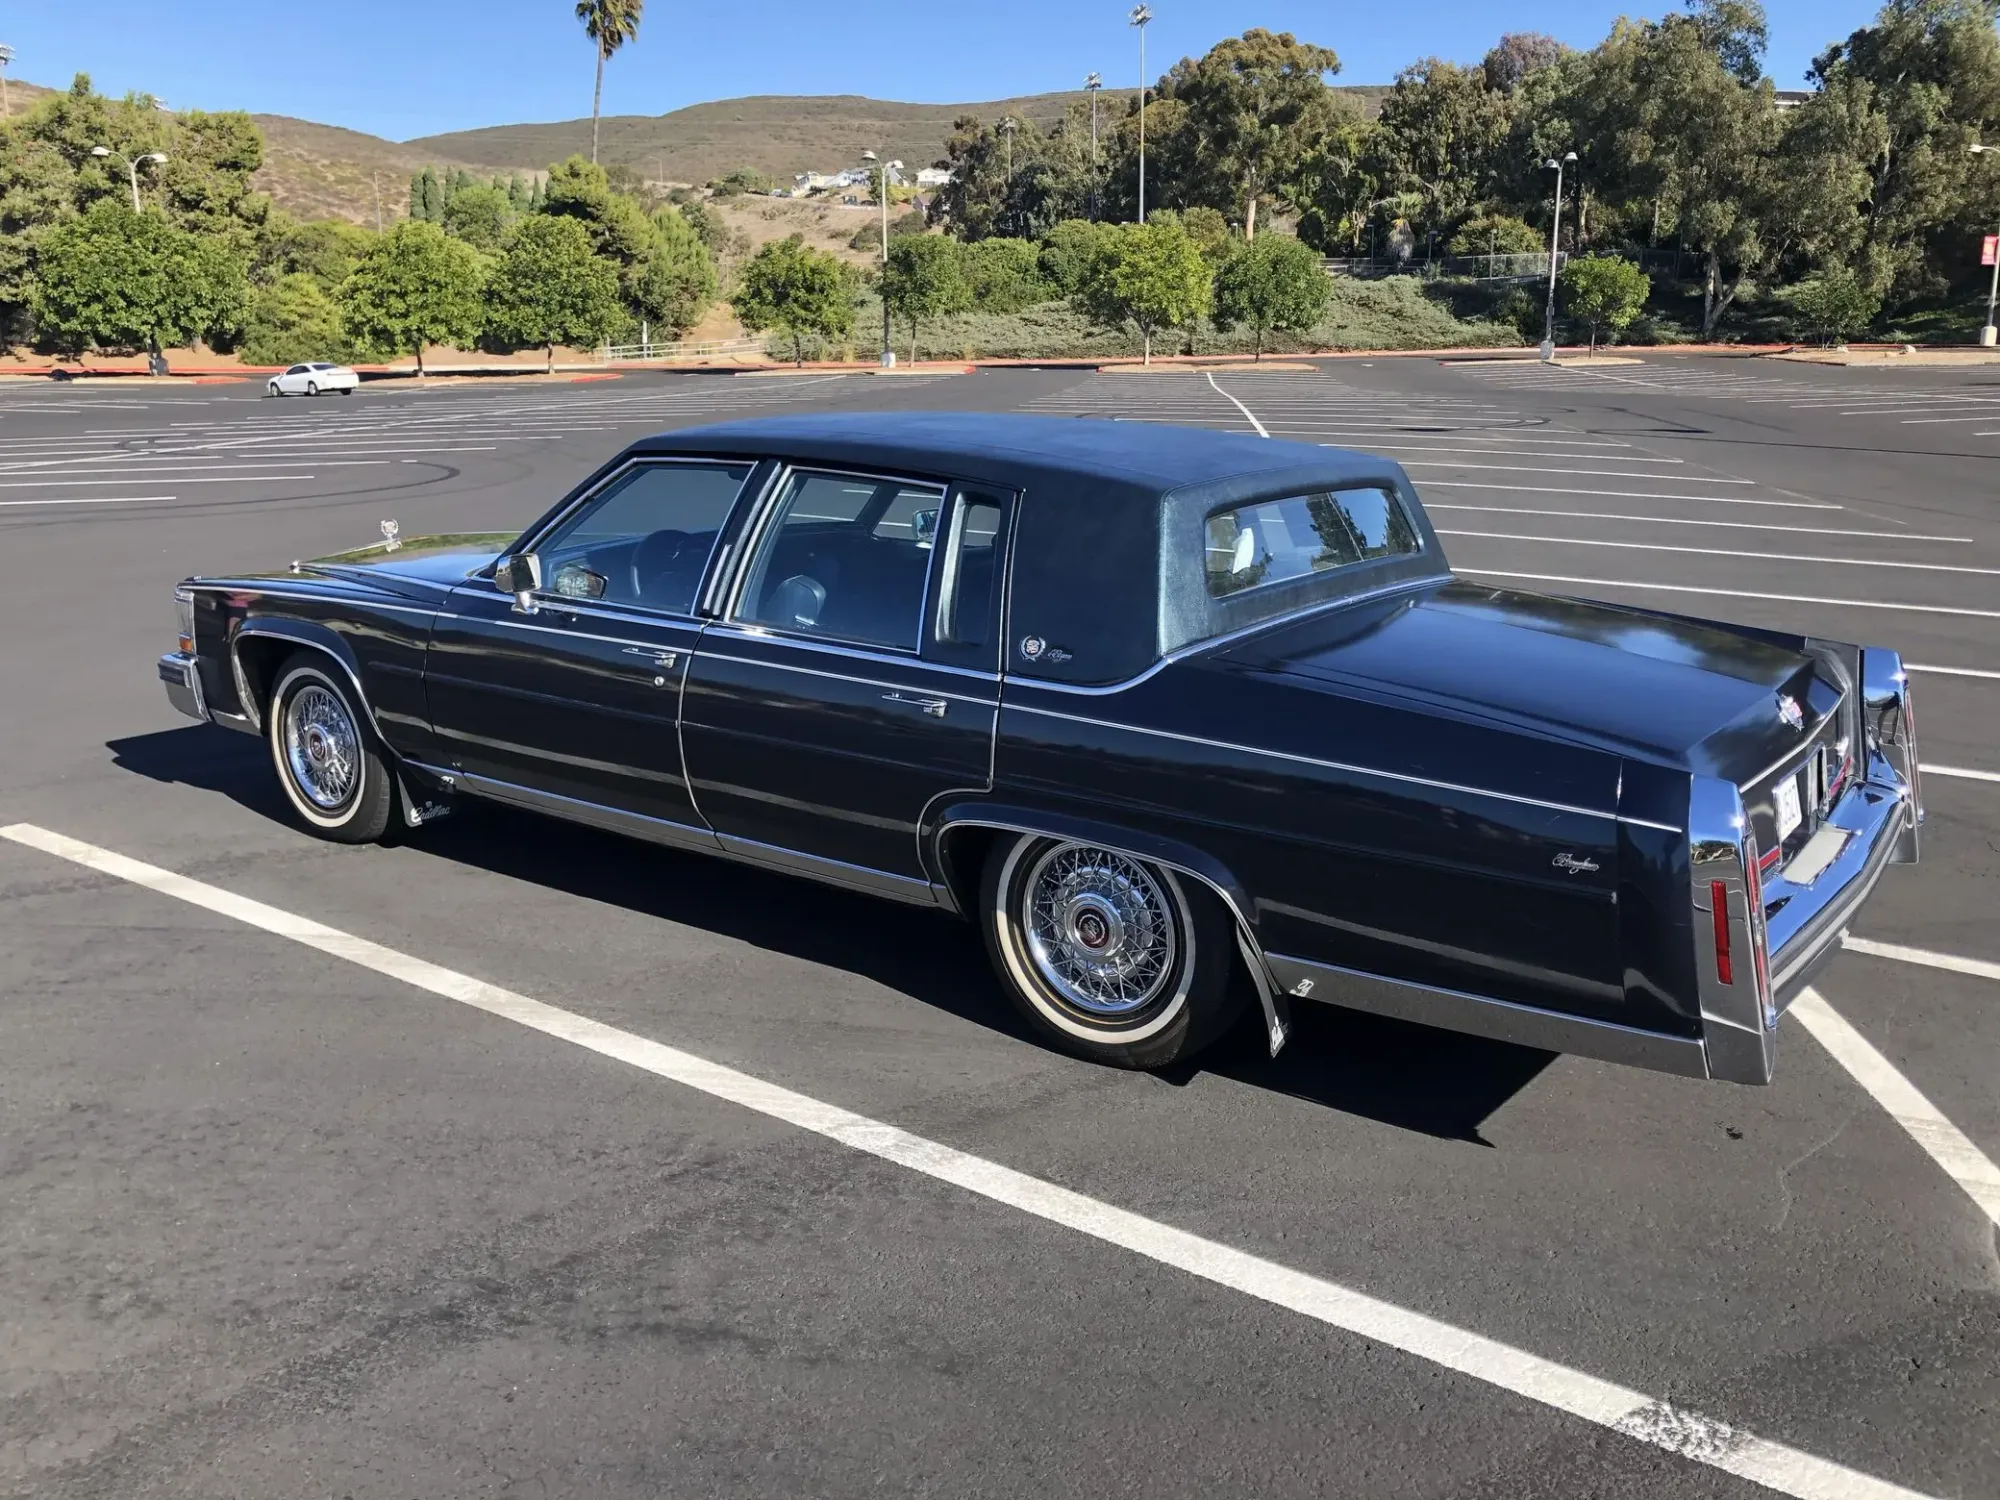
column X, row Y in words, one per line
column 1555, row 233
column 1139, row 17
column 1987, row 334
column 131, row 166
column 1092, row 82
column 882, row 192
column 6, row 56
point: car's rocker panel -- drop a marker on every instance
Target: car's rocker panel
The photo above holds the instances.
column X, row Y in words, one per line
column 1553, row 823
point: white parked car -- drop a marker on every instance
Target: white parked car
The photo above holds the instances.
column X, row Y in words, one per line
column 311, row 380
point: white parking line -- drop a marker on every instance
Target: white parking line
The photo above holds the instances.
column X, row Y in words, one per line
column 1544, row 489
column 1432, row 463
column 1620, row 1409
column 1978, row 967
column 1688, row 588
column 1248, row 415
column 1952, row 671
column 1600, row 515
column 1941, row 1140
column 49, row 484
column 87, row 500
column 1846, row 562
column 1960, row 772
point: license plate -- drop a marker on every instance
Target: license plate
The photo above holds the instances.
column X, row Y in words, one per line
column 1789, row 816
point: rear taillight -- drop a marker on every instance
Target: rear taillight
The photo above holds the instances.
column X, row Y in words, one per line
column 1718, row 905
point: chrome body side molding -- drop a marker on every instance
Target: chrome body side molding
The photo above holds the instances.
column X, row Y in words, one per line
column 1497, row 1020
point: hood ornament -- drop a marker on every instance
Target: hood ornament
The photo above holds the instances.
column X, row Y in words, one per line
column 392, row 536
column 1790, row 711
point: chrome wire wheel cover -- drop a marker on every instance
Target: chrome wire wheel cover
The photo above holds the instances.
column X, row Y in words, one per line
column 1099, row 930
column 322, row 747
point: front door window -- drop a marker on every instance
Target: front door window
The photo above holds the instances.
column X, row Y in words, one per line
column 645, row 539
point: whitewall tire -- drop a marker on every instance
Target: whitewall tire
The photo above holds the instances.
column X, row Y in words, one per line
column 329, row 763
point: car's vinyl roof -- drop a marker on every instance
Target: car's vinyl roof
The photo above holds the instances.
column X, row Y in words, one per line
column 1149, row 454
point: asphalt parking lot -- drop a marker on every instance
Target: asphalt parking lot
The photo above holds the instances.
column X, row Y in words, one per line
column 549, row 1164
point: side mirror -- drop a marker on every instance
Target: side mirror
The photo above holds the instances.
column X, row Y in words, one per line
column 519, row 574
column 923, row 526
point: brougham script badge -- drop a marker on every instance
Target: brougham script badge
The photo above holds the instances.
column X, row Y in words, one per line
column 1790, row 712
column 1572, row 864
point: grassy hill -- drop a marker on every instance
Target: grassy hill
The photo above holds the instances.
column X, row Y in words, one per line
column 772, row 133
column 323, row 171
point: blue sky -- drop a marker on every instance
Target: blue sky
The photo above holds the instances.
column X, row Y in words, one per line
column 403, row 68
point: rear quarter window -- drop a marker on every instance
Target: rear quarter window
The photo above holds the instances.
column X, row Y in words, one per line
column 1252, row 546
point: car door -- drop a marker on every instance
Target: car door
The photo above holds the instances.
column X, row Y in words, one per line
column 293, row 381
column 568, row 697
column 852, row 677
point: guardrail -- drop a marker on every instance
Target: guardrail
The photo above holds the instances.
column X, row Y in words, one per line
column 691, row 349
column 1533, row 267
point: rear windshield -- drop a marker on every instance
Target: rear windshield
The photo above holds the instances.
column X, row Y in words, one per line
column 1272, row 541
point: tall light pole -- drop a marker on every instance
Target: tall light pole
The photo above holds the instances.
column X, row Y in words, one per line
column 1989, row 333
column 131, row 166
column 1092, row 82
column 1139, row 17
column 882, row 172
column 1555, row 234
column 6, row 56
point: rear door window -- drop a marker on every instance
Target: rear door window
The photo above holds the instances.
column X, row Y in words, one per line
column 1272, row 541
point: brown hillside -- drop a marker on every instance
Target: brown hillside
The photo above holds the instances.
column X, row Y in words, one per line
column 774, row 134
column 324, row 172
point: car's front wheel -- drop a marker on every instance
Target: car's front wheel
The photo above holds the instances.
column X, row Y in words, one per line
column 312, row 388
column 274, row 389
column 1109, row 957
column 328, row 760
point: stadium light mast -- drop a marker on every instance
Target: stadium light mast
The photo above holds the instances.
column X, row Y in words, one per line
column 1989, row 333
column 1092, row 82
column 1555, row 234
column 882, row 183
column 6, row 56
column 1139, row 17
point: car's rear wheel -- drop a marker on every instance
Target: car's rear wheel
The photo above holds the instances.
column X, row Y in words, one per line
column 332, row 769
column 1109, row 957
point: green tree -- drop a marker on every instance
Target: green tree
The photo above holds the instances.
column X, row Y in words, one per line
column 1254, row 104
column 117, row 279
column 797, row 291
column 551, row 287
column 1834, row 305
column 479, row 215
column 678, row 279
column 1153, row 276
column 327, row 250
column 1441, row 130
column 520, row 195
column 1517, row 57
column 1070, row 250
column 1497, row 234
column 291, row 321
column 924, row 279
column 1004, row 275
column 1603, row 292
column 609, row 24
column 416, row 286
column 1274, row 282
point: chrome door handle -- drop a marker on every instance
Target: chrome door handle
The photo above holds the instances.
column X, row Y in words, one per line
column 666, row 660
column 935, row 707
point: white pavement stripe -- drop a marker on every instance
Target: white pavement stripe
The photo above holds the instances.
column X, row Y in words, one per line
column 1801, row 557
column 1958, row 772
column 87, row 500
column 1979, row 968
column 1941, row 1140
column 1545, row 489
column 1952, row 671
column 141, row 468
column 1248, row 415
column 49, row 484
column 1686, row 588
column 1601, row 515
column 1687, row 1434
column 1433, row 463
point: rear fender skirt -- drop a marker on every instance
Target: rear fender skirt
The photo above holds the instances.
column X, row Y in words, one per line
column 1181, row 858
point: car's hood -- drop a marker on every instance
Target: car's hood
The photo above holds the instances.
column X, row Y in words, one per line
column 417, row 565
column 1676, row 691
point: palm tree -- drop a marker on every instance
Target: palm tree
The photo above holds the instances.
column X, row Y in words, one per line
column 610, row 24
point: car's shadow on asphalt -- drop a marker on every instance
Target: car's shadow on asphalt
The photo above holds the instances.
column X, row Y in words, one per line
column 1412, row 1077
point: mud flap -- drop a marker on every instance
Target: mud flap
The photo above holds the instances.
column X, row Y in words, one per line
column 1277, row 1009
